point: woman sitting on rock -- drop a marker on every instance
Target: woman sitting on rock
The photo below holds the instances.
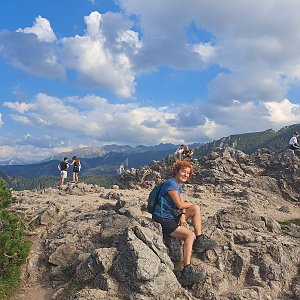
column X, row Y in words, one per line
column 172, row 213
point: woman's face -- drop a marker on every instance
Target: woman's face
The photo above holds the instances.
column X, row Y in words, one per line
column 183, row 174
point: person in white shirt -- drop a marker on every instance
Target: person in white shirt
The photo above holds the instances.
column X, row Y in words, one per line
column 294, row 142
column 63, row 168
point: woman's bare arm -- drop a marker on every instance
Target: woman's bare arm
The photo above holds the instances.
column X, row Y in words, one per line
column 177, row 200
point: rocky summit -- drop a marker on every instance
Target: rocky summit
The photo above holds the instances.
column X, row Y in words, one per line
column 94, row 243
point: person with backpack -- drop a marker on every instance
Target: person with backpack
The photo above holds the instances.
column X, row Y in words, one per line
column 63, row 167
column 172, row 212
column 76, row 168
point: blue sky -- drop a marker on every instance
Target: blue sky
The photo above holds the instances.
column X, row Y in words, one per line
column 89, row 73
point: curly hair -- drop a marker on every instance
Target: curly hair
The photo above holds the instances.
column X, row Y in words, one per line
column 182, row 164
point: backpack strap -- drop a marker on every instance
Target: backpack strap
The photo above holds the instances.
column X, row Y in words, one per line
column 174, row 212
column 157, row 198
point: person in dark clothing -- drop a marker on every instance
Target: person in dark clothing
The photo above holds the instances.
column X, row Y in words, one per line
column 76, row 168
column 63, row 167
column 187, row 153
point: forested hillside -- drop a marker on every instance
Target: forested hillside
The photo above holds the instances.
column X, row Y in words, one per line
column 250, row 142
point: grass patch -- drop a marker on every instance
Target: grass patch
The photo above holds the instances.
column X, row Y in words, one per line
column 73, row 287
column 14, row 245
column 291, row 221
column 69, row 271
column 8, row 286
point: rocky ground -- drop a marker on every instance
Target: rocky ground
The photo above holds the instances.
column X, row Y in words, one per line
column 96, row 243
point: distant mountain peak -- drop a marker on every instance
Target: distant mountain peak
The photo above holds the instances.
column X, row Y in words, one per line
column 93, row 152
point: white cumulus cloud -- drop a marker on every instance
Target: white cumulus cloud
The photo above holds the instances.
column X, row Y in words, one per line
column 21, row 119
column 283, row 112
column 251, row 45
column 42, row 29
column 96, row 63
column 206, row 51
column 93, row 120
column 20, row 107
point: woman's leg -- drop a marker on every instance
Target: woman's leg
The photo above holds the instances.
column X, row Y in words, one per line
column 188, row 236
column 202, row 242
column 73, row 176
column 194, row 212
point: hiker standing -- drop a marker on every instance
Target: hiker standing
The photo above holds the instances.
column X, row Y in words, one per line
column 76, row 168
column 294, row 142
column 63, row 167
column 172, row 212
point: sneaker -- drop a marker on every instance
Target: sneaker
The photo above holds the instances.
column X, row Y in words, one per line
column 189, row 276
column 203, row 243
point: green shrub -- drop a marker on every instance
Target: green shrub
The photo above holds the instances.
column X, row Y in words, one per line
column 290, row 221
column 14, row 245
column 5, row 196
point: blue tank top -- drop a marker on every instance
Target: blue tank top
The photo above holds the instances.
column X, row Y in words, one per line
column 165, row 201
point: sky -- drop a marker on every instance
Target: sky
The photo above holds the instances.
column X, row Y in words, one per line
column 78, row 73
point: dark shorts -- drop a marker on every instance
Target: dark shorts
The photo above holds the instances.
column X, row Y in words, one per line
column 76, row 170
column 168, row 225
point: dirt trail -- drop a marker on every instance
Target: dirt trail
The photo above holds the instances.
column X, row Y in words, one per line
column 35, row 292
column 34, row 283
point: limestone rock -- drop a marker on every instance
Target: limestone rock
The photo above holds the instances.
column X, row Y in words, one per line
column 104, row 241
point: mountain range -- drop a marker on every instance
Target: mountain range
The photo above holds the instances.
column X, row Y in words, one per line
column 107, row 159
column 93, row 152
column 95, row 160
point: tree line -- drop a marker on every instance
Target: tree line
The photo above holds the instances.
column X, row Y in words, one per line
column 20, row 183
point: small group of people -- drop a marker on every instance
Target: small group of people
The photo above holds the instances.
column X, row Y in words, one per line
column 183, row 152
column 64, row 166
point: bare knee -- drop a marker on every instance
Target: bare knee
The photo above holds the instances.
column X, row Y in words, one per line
column 190, row 236
column 194, row 209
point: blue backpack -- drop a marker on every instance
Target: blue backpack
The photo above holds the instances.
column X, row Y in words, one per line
column 153, row 198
